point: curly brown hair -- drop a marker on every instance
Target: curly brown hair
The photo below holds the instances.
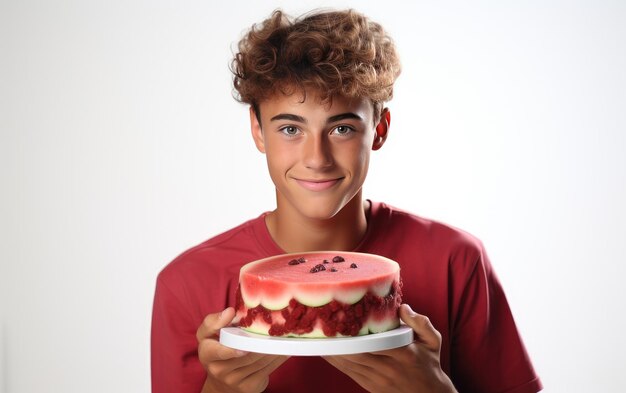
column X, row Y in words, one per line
column 332, row 52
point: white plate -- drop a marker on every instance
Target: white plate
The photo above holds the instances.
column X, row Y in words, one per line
column 238, row 338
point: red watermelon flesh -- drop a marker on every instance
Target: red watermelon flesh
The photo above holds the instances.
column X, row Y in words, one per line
column 320, row 294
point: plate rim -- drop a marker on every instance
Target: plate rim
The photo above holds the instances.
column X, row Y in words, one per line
column 237, row 338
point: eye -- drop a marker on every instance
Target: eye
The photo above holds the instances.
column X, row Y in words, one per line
column 289, row 130
column 343, row 130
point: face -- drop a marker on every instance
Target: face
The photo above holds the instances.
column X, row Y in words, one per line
column 317, row 153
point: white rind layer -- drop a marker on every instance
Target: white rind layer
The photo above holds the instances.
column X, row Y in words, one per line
column 350, row 297
column 312, row 299
column 315, row 299
column 251, row 301
column 382, row 289
column 271, row 303
column 371, row 326
column 382, row 326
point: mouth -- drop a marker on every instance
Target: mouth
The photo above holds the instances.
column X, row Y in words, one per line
column 317, row 185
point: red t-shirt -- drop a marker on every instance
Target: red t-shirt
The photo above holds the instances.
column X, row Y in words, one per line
column 446, row 276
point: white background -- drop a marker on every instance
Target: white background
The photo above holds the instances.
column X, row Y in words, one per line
column 121, row 147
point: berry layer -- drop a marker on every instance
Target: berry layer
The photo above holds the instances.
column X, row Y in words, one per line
column 371, row 314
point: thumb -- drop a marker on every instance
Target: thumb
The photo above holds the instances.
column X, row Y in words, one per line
column 212, row 323
column 425, row 332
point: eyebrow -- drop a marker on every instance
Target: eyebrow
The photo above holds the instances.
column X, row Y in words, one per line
column 288, row 116
column 332, row 119
column 344, row 116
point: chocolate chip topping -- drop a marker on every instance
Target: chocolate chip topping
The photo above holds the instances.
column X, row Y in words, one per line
column 318, row 268
column 338, row 259
column 353, row 266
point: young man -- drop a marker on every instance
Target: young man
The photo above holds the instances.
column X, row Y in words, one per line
column 316, row 88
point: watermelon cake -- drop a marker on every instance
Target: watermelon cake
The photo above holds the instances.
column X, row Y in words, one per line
column 319, row 294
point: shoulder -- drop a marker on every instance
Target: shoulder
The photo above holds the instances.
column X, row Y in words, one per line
column 422, row 230
column 223, row 253
column 203, row 279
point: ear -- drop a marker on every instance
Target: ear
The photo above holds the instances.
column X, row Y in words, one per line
column 257, row 132
column 382, row 129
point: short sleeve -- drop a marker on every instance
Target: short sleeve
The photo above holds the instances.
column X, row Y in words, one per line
column 487, row 352
column 174, row 353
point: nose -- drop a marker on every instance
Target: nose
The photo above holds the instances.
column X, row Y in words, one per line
column 317, row 152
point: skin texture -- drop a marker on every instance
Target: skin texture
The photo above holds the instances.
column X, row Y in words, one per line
column 318, row 155
column 306, row 140
column 230, row 370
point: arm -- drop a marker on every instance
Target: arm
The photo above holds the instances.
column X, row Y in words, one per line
column 415, row 367
column 174, row 364
column 188, row 359
column 230, row 370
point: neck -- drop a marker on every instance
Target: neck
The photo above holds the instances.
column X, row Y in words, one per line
column 294, row 232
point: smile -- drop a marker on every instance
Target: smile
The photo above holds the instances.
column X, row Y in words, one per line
column 317, row 185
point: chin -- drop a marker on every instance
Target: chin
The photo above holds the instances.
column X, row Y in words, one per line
column 319, row 212
column 323, row 205
column 321, row 208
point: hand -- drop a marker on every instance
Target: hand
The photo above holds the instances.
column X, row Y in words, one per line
column 230, row 370
column 414, row 368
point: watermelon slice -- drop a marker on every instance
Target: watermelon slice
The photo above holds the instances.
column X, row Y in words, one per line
column 319, row 294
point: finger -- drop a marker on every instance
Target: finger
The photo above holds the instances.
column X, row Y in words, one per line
column 258, row 380
column 376, row 367
column 277, row 362
column 234, row 370
column 421, row 325
column 352, row 363
column 211, row 350
column 249, row 373
column 361, row 374
column 365, row 359
column 212, row 323
column 273, row 364
column 255, row 362
column 401, row 354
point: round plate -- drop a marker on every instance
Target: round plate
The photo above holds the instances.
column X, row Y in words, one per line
column 238, row 338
